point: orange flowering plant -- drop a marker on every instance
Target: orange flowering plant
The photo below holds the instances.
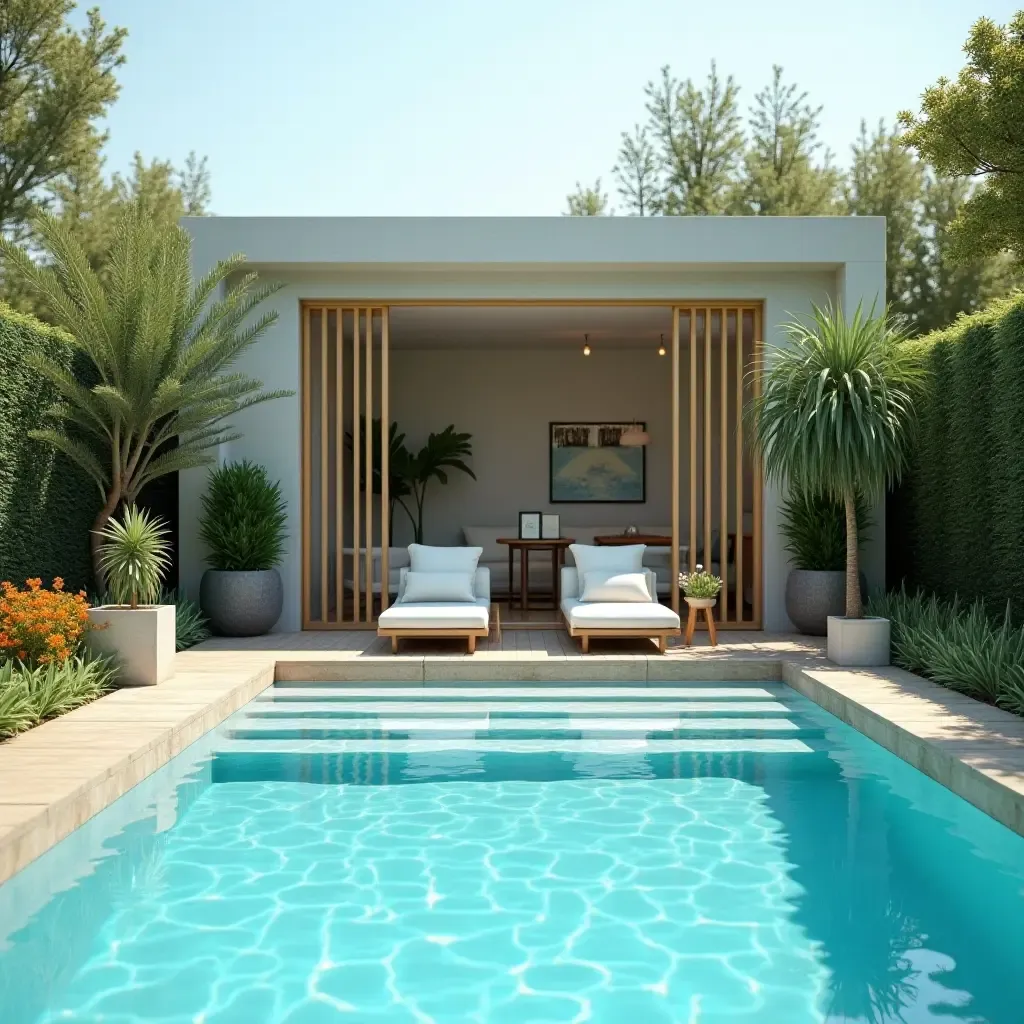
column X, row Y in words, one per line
column 40, row 626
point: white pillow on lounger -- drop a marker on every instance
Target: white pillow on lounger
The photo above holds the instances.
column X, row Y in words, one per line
column 629, row 587
column 448, row 587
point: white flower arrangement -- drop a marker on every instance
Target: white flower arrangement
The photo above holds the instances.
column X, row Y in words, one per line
column 700, row 583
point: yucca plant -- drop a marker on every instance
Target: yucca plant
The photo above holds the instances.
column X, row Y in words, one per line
column 133, row 557
column 243, row 518
column 159, row 347
column 835, row 413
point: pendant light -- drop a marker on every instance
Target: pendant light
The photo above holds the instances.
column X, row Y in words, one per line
column 634, row 436
column 661, row 348
column 586, row 344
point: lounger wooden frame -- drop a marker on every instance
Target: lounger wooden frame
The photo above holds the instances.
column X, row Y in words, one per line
column 467, row 633
column 658, row 636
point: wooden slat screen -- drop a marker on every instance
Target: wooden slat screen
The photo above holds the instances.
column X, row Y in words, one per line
column 344, row 522
column 718, row 491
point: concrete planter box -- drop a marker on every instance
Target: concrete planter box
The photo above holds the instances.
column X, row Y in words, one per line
column 142, row 640
column 858, row 642
column 241, row 603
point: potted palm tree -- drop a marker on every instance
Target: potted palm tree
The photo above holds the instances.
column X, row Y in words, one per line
column 132, row 626
column 834, row 417
column 242, row 524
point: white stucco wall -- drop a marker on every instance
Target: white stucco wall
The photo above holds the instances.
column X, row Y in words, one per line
column 786, row 262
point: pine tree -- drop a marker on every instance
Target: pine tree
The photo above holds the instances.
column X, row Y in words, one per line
column 587, row 202
column 781, row 172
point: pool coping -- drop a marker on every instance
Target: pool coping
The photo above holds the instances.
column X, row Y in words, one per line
column 57, row 776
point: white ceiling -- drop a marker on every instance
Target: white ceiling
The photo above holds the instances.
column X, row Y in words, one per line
column 528, row 326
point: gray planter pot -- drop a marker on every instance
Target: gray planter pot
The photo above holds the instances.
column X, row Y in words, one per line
column 812, row 596
column 241, row 603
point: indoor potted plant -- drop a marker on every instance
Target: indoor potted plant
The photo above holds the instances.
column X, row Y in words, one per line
column 834, row 417
column 700, row 591
column 242, row 523
column 814, row 528
column 133, row 556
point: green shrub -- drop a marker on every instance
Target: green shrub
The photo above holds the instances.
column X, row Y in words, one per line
column 190, row 626
column 962, row 504
column 29, row 696
column 963, row 649
column 814, row 528
column 46, row 503
column 243, row 518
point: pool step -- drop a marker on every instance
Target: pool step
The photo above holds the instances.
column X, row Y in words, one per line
column 513, row 746
column 507, row 710
column 486, row 727
column 592, row 693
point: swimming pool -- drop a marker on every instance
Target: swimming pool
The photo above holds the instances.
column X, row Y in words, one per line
column 703, row 853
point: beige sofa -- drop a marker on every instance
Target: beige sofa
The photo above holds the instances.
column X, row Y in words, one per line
column 495, row 556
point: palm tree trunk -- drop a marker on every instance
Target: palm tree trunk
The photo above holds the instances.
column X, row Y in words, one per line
column 854, row 610
column 96, row 540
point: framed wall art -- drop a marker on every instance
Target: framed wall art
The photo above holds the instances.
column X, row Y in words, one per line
column 588, row 464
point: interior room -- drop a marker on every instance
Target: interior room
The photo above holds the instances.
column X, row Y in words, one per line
column 569, row 412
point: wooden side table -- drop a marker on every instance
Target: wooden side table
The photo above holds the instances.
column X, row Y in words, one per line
column 524, row 547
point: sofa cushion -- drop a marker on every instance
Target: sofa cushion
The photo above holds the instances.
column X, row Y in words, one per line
column 434, row 616
column 425, row 558
column 486, row 538
column 423, row 587
column 601, row 585
column 619, row 615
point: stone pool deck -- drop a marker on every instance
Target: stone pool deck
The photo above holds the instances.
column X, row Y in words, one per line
column 60, row 774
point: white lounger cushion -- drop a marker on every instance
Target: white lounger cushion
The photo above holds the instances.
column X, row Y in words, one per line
column 601, row 585
column 435, row 616
column 425, row 558
column 618, row 615
column 593, row 558
column 426, row 587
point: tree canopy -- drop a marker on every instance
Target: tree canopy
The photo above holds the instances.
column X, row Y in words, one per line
column 974, row 128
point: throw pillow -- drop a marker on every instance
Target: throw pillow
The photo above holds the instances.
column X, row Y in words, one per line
column 629, row 587
column 448, row 587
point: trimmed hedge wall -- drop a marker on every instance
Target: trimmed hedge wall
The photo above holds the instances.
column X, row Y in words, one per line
column 959, row 517
column 47, row 504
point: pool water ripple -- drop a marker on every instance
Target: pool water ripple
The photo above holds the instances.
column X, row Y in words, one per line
column 731, row 879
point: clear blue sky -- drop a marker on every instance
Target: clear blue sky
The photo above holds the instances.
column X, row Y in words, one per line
column 481, row 106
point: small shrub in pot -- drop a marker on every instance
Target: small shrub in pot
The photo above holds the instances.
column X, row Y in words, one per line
column 814, row 529
column 242, row 524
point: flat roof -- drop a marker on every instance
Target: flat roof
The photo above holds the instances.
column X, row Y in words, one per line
column 781, row 242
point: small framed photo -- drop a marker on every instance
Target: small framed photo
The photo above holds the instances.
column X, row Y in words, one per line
column 550, row 528
column 529, row 526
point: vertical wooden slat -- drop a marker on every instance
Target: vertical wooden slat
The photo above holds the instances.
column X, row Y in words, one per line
column 739, row 466
column 757, row 477
column 723, row 467
column 356, row 468
column 385, row 458
column 307, row 512
column 325, row 513
column 674, row 577
column 368, row 469
column 339, row 476
column 693, row 439
column 707, row 444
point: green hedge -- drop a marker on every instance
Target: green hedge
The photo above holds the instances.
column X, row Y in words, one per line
column 46, row 503
column 960, row 512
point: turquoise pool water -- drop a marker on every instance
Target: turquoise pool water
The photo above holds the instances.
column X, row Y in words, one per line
column 702, row 854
